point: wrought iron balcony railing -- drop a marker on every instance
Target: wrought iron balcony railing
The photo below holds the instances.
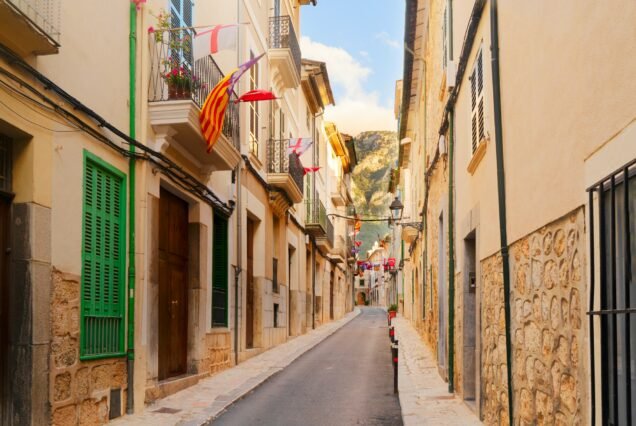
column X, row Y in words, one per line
column 175, row 76
column 279, row 161
column 316, row 213
column 43, row 14
column 283, row 36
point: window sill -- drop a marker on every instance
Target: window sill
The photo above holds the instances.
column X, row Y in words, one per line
column 218, row 329
column 477, row 156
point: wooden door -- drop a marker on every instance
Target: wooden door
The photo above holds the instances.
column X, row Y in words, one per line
column 5, row 214
column 173, row 285
column 249, row 304
column 331, row 295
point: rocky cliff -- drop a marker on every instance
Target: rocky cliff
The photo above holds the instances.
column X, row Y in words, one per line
column 377, row 154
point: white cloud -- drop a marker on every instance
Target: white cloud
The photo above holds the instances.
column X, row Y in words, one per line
column 364, row 53
column 386, row 39
column 357, row 109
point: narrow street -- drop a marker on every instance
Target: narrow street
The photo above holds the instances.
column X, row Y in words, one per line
column 347, row 379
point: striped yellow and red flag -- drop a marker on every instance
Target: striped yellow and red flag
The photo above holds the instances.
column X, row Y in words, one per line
column 213, row 111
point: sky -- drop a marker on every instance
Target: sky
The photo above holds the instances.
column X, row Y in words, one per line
column 362, row 43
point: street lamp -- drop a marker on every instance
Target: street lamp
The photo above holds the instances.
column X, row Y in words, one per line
column 396, row 209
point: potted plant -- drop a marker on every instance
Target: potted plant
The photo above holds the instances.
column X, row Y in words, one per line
column 181, row 82
column 176, row 48
column 392, row 311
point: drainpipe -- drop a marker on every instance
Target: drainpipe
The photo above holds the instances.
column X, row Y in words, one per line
column 313, row 284
column 132, row 51
column 239, row 264
column 451, row 224
column 237, row 268
column 451, row 259
column 501, row 189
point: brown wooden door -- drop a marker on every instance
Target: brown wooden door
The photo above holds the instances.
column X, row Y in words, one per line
column 5, row 217
column 173, row 285
column 249, row 303
column 331, row 296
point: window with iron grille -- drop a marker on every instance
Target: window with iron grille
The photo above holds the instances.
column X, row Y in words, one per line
column 276, row 308
column 612, row 211
column 219, row 271
column 477, row 102
column 275, row 275
column 6, row 163
column 103, row 260
column 253, row 106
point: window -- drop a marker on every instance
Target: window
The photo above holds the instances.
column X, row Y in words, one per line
column 614, row 201
column 253, row 106
column 477, row 102
column 445, row 38
column 281, row 127
column 308, row 119
column 275, row 275
column 361, row 283
column 181, row 16
column 275, row 315
column 103, row 260
column 6, row 163
column 219, row 271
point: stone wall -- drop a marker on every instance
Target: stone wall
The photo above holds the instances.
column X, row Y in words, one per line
column 219, row 352
column 547, row 283
column 79, row 390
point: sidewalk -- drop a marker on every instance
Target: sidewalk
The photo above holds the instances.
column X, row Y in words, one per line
column 204, row 401
column 424, row 396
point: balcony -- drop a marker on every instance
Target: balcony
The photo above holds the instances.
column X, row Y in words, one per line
column 339, row 252
column 318, row 225
column 174, row 107
column 284, row 170
column 339, row 196
column 30, row 27
column 284, row 53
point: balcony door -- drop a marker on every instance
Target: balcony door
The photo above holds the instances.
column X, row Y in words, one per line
column 276, row 7
column 249, row 294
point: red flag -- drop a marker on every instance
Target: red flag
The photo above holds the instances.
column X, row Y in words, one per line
column 256, row 95
column 310, row 170
column 358, row 243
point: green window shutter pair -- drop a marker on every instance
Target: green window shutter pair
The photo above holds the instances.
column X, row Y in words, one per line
column 220, row 271
column 103, row 260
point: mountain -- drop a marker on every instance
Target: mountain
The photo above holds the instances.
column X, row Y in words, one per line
column 377, row 154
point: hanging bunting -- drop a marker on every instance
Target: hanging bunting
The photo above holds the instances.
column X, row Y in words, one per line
column 219, row 37
column 310, row 170
column 299, row 145
column 256, row 95
column 213, row 110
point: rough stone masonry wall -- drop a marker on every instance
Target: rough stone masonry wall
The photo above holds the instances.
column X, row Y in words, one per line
column 79, row 391
column 547, row 283
column 219, row 346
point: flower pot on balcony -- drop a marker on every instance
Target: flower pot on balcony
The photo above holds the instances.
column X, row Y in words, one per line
column 176, row 91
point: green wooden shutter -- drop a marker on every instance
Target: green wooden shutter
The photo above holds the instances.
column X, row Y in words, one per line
column 103, row 260
column 220, row 272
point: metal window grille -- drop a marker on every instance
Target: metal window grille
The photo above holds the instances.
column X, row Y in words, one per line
column 275, row 275
column 613, row 200
column 6, row 163
column 103, row 261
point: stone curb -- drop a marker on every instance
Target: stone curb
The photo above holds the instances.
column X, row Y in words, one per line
column 262, row 378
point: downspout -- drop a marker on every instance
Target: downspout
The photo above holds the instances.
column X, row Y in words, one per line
column 239, row 263
column 313, row 284
column 501, row 189
column 451, row 259
column 451, row 225
column 132, row 52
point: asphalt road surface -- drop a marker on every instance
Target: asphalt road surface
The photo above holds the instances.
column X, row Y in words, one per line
column 345, row 380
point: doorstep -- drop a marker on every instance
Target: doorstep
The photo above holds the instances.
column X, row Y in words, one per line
column 172, row 385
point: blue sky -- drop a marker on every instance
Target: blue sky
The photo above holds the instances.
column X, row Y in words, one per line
column 362, row 43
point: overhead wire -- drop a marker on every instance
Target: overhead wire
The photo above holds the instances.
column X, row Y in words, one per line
column 167, row 166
